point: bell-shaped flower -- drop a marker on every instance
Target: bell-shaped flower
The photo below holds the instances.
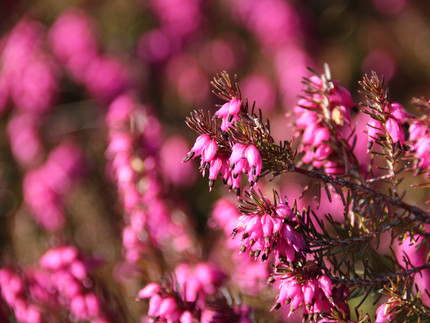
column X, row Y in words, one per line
column 395, row 131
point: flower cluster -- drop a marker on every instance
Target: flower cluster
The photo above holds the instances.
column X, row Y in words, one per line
column 230, row 159
column 193, row 294
column 393, row 118
column 133, row 166
column 268, row 228
column 60, row 284
column 46, row 187
column 74, row 43
column 323, row 112
column 69, row 278
column 13, row 291
column 309, row 288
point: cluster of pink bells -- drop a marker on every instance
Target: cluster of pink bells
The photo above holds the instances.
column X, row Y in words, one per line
column 59, row 283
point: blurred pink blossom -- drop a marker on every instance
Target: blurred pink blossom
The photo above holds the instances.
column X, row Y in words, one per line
column 45, row 188
column 23, row 134
column 171, row 153
column 73, row 40
column 106, row 77
column 259, row 88
column 186, row 75
column 28, row 72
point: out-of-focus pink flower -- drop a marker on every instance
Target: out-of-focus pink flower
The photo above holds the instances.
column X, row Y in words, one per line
column 23, row 134
column 274, row 22
column 13, row 291
column 45, row 188
column 148, row 219
column 290, row 63
column 73, row 41
column 106, row 77
column 222, row 54
column 69, row 281
column 419, row 137
column 199, row 281
column 263, row 234
column 380, row 61
column 36, row 89
column 28, row 72
column 185, row 75
column 416, row 131
column 259, row 88
column 421, row 150
column 180, row 17
column 156, row 46
column 171, row 152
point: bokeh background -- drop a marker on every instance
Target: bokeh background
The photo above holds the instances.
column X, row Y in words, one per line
column 166, row 52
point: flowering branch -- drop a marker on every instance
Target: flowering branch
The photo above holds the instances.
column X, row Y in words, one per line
column 242, row 143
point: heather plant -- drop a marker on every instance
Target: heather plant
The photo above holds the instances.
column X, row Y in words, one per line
column 321, row 263
column 311, row 204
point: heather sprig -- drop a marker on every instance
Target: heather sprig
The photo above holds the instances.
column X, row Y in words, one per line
column 312, row 253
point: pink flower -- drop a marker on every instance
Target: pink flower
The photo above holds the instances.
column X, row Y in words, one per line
column 255, row 163
column 263, row 233
column 73, row 41
column 201, row 142
column 397, row 112
column 416, row 131
column 24, row 139
column 106, row 78
column 395, row 131
column 314, row 292
column 229, row 113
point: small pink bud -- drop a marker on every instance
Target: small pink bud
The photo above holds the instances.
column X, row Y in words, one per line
column 215, row 167
column 69, row 254
column 52, row 260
